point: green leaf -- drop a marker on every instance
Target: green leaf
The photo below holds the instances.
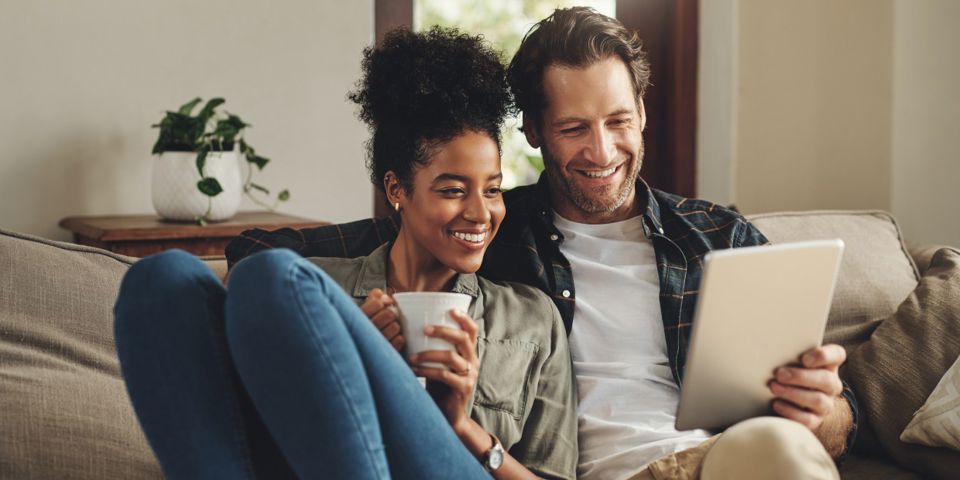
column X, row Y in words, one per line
column 228, row 128
column 177, row 133
column 209, row 186
column 208, row 109
column 257, row 160
column 159, row 147
column 236, row 121
column 188, row 107
column 164, row 122
column 202, row 160
column 245, row 149
column 211, row 105
column 284, row 195
column 226, row 133
column 259, row 187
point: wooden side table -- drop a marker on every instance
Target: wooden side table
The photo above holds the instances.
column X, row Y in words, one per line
column 142, row 235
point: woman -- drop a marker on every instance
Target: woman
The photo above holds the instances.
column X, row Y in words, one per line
column 284, row 375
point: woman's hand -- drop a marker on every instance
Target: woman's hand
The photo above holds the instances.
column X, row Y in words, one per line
column 381, row 309
column 452, row 389
column 458, row 380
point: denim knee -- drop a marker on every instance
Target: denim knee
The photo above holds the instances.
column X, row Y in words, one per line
column 266, row 266
column 269, row 269
column 170, row 276
column 160, row 268
column 268, row 286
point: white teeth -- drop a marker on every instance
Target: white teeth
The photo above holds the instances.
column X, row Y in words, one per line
column 470, row 237
column 601, row 173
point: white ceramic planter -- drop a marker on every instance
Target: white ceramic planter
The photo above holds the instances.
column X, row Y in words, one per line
column 174, row 186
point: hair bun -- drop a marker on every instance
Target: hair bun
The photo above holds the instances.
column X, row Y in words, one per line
column 427, row 79
column 423, row 88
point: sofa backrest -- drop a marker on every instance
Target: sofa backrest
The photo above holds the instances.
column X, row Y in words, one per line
column 876, row 272
column 218, row 265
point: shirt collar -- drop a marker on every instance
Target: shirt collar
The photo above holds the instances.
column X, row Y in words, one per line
column 651, row 215
column 373, row 274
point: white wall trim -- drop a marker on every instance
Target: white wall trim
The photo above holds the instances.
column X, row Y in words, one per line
column 717, row 98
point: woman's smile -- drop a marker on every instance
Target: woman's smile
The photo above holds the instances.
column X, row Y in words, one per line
column 471, row 239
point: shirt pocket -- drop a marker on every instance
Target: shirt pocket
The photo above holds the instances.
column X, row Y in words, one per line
column 506, row 375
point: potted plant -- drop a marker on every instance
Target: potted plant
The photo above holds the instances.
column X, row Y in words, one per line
column 196, row 176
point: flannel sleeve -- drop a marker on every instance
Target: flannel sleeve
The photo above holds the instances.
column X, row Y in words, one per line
column 344, row 240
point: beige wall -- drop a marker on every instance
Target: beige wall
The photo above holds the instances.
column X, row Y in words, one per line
column 82, row 82
column 820, row 104
column 926, row 120
column 814, row 104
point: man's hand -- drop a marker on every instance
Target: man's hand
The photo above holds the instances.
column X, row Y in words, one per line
column 381, row 309
column 807, row 392
column 810, row 393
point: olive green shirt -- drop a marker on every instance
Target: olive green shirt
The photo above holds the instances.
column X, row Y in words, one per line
column 525, row 392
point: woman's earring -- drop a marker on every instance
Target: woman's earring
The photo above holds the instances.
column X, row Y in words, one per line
column 396, row 206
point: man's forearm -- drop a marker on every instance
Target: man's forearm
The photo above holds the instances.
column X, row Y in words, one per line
column 835, row 428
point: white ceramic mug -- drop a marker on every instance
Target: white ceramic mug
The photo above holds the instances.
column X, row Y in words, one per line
column 419, row 309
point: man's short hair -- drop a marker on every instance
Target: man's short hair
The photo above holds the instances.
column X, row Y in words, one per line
column 572, row 37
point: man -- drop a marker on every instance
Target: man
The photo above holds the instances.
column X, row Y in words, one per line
column 635, row 256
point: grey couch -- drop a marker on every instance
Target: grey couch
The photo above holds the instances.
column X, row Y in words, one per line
column 64, row 412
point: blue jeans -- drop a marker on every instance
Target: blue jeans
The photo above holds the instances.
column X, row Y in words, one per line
column 282, row 376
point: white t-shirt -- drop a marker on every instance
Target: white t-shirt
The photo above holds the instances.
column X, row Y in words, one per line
column 628, row 398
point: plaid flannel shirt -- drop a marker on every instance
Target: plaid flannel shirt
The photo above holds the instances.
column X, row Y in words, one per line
column 527, row 250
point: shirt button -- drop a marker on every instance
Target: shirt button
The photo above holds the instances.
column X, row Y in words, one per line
column 565, row 293
column 554, row 237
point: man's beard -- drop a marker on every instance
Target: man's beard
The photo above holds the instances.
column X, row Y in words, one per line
column 599, row 200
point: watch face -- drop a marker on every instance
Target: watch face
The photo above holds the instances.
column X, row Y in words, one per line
column 496, row 457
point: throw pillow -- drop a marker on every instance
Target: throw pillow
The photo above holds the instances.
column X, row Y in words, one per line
column 897, row 368
column 937, row 423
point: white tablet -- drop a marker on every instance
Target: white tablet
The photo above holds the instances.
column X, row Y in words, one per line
column 758, row 308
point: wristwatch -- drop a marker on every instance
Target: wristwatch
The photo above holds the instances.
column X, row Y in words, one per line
column 493, row 458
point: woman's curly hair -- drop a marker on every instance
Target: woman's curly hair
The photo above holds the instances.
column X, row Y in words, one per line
column 421, row 89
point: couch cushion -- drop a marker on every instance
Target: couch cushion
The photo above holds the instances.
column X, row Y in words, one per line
column 876, row 273
column 894, row 372
column 218, row 265
column 937, row 423
column 64, row 411
column 867, row 468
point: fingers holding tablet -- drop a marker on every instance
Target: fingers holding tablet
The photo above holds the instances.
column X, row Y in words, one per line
column 807, row 392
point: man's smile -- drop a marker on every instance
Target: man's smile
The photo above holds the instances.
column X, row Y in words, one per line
column 599, row 173
column 593, row 176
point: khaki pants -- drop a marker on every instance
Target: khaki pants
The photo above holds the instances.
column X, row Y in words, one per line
column 759, row 448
